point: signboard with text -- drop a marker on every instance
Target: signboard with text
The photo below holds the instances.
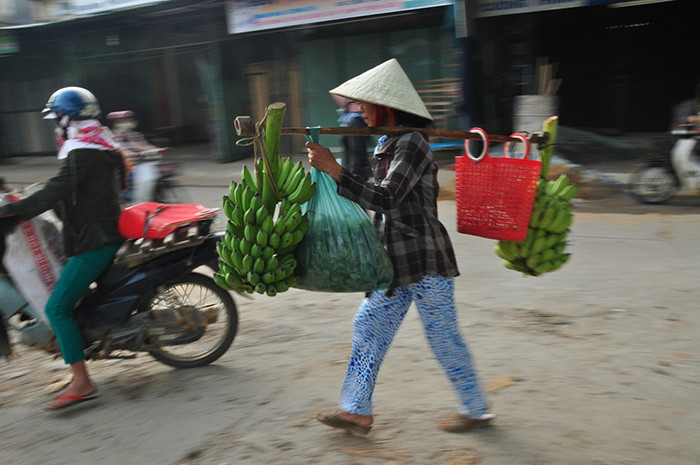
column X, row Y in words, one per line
column 85, row 7
column 256, row 15
column 508, row 7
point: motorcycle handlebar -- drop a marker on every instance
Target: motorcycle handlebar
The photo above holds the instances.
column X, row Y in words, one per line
column 685, row 128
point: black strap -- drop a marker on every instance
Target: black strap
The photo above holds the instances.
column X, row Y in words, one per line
column 149, row 218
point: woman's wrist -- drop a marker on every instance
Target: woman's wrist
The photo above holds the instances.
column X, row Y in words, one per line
column 336, row 172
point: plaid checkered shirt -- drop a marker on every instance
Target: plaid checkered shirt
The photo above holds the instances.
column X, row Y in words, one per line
column 403, row 196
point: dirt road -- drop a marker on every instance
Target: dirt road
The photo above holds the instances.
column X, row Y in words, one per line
column 595, row 364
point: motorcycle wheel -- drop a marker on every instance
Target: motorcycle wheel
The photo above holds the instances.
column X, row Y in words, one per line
column 653, row 184
column 201, row 292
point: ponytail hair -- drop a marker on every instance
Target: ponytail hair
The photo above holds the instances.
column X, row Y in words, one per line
column 410, row 120
column 386, row 115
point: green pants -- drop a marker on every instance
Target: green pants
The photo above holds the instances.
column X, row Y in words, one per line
column 80, row 271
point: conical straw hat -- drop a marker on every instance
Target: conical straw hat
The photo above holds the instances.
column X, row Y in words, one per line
column 386, row 85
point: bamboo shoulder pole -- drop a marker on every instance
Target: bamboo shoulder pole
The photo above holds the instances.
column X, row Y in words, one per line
column 391, row 131
column 246, row 127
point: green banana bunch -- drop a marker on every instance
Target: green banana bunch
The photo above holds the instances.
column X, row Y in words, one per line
column 293, row 183
column 265, row 223
column 542, row 250
column 256, row 251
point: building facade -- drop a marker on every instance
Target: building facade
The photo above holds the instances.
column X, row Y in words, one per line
column 188, row 68
column 616, row 65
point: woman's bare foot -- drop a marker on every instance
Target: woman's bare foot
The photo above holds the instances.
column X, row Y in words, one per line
column 79, row 390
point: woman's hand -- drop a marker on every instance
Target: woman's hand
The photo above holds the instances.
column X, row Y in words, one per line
column 323, row 160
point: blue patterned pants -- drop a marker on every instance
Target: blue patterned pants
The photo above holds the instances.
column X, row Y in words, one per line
column 375, row 325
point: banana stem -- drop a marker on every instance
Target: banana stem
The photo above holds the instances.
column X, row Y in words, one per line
column 273, row 129
column 550, row 127
column 271, row 159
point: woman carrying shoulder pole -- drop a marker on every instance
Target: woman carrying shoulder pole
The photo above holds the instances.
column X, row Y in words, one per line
column 403, row 195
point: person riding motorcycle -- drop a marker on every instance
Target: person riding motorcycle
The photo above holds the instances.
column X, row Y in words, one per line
column 141, row 155
column 85, row 195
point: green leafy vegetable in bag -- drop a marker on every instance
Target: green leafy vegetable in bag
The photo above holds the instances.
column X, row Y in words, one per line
column 341, row 251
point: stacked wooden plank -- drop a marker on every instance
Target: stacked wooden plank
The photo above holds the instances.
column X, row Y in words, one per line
column 545, row 82
column 441, row 97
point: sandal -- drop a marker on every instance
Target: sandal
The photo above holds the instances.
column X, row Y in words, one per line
column 67, row 400
column 458, row 423
column 335, row 421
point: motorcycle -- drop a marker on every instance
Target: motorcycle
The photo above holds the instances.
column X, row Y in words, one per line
column 155, row 298
column 151, row 180
column 168, row 189
column 158, row 181
column 661, row 179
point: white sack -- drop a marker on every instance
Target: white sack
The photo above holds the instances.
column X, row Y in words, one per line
column 34, row 257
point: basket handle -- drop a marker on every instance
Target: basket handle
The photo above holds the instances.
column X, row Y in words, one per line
column 484, row 138
column 507, row 148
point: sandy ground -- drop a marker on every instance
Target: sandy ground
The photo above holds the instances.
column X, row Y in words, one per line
column 597, row 363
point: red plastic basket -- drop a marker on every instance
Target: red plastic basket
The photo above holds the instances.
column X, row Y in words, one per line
column 495, row 195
